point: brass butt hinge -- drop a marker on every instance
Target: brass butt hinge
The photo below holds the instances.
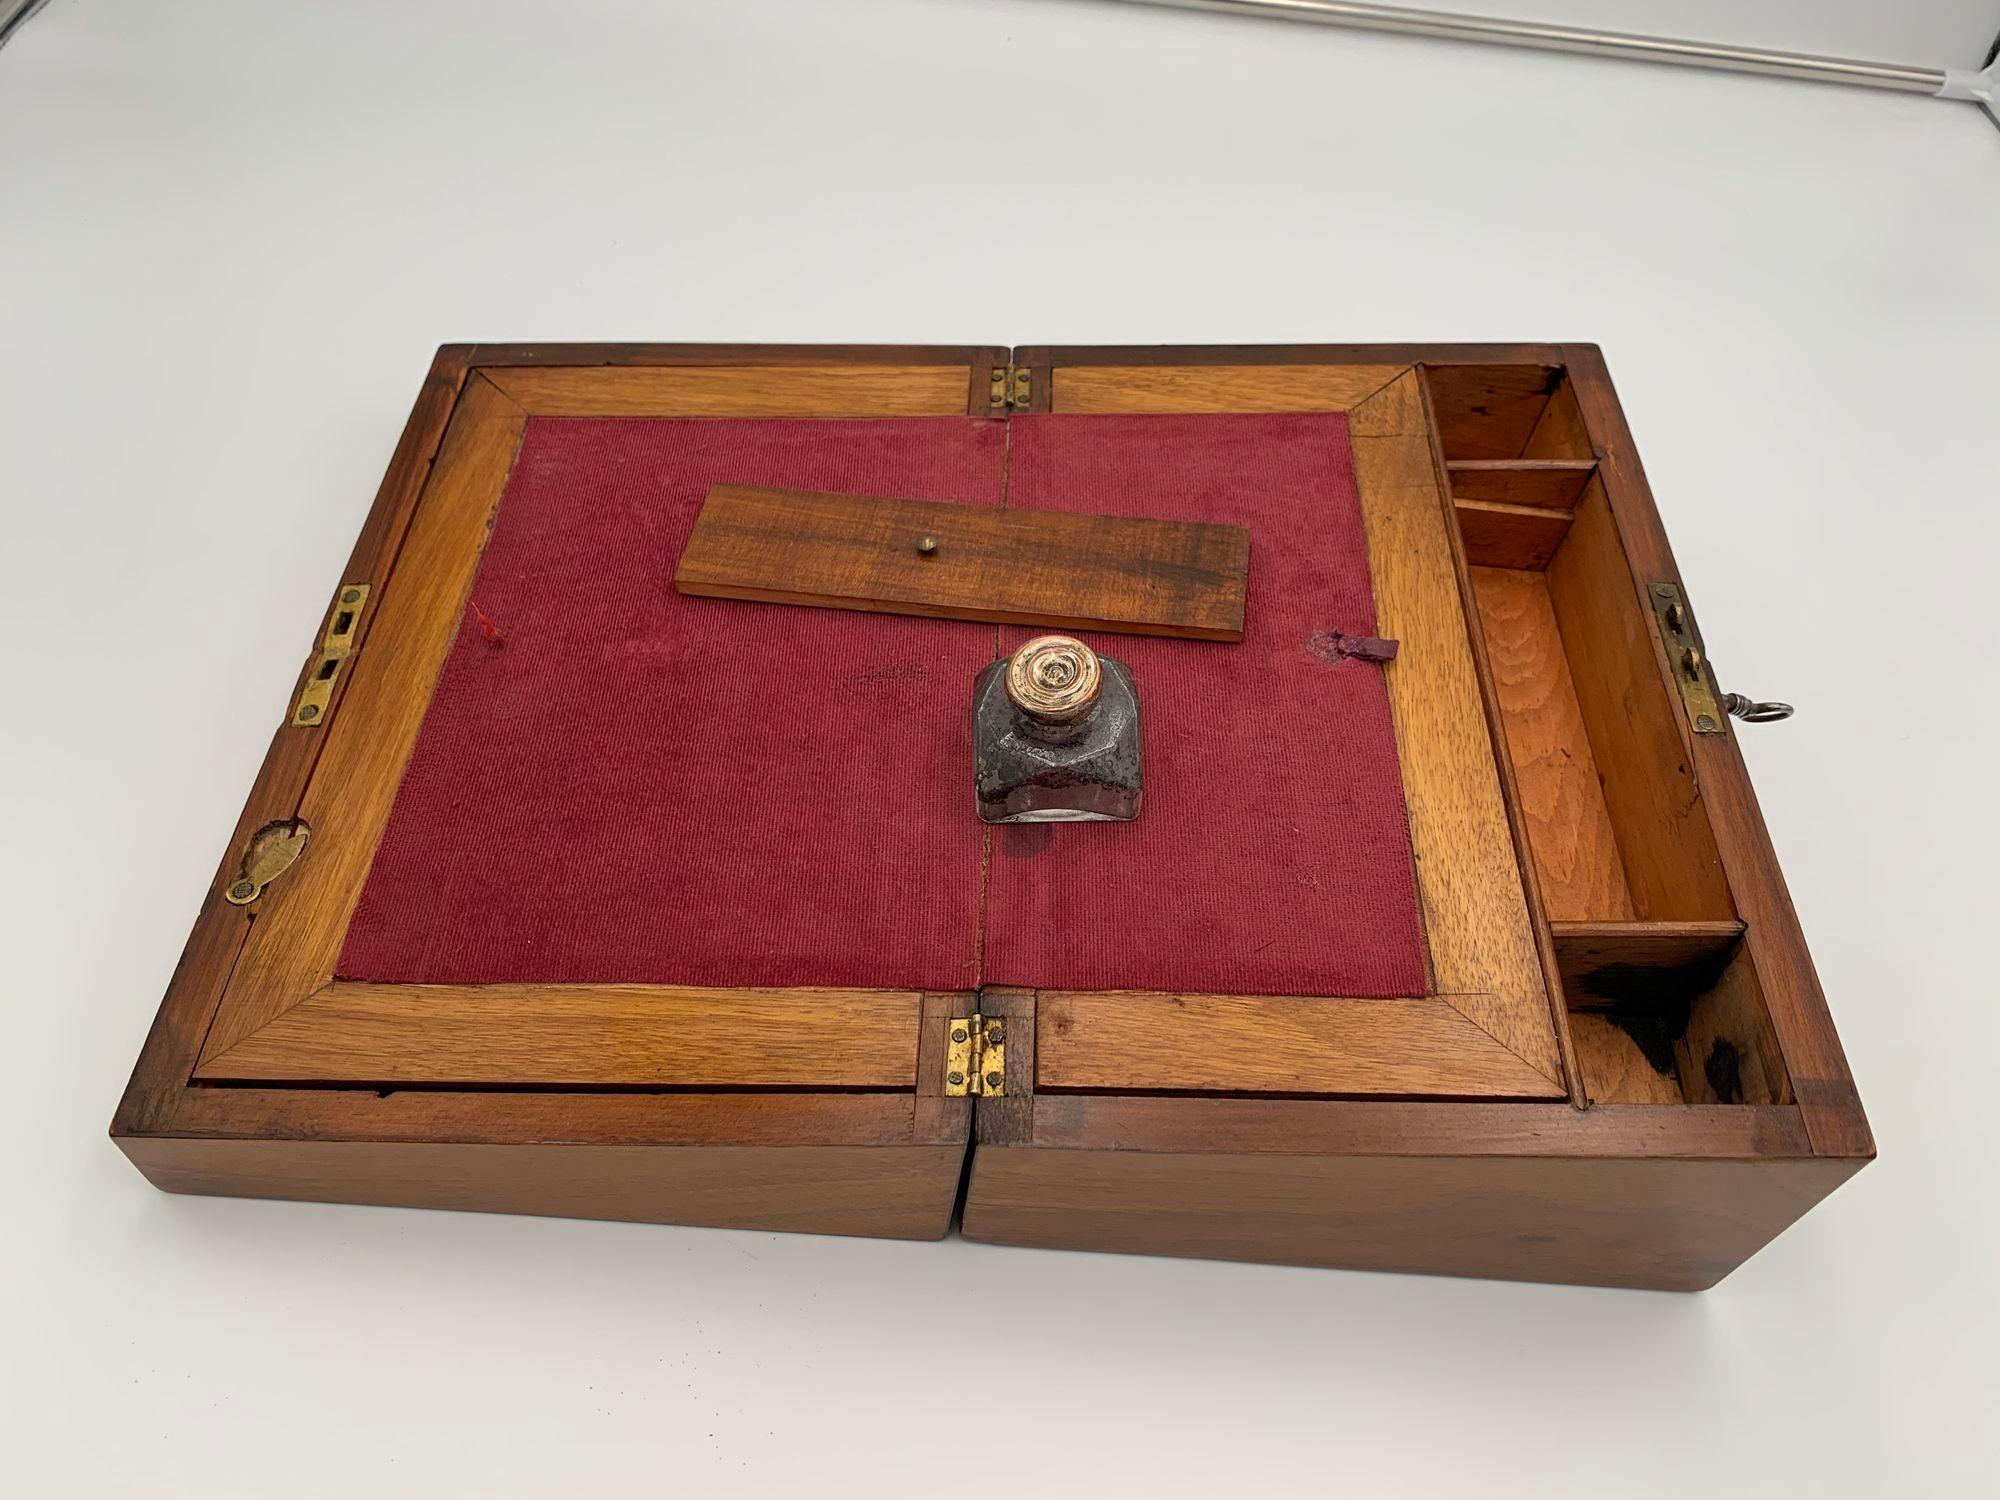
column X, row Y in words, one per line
column 1707, row 706
column 334, row 649
column 1009, row 388
column 975, row 1059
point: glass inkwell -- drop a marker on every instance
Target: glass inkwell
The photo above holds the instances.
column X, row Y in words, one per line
column 1055, row 736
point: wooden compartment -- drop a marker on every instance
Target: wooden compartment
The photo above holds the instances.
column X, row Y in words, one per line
column 1664, row 1002
column 1616, row 819
column 1612, row 1062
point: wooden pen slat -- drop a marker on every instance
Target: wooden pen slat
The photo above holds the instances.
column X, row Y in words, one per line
column 1133, row 576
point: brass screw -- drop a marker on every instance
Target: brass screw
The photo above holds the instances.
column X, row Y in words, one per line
column 243, row 890
column 954, row 1079
column 1664, row 590
column 348, row 596
column 926, row 545
column 310, row 711
column 1705, row 724
column 994, row 1036
column 993, row 1080
column 958, row 1033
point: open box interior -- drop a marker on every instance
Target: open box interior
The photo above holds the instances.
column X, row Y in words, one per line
column 1664, row 1004
column 562, row 893
column 630, row 816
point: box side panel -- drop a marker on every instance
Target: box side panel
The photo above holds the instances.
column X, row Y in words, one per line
column 1673, row 1225
column 1791, row 995
column 893, row 1192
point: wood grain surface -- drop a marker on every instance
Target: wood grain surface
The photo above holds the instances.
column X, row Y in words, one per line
column 1729, row 1052
column 1509, row 536
column 1569, row 830
column 1615, row 1068
column 902, row 1192
column 1637, row 1195
column 1491, row 411
column 1664, row 1224
column 1594, row 957
column 1665, row 841
column 1272, row 1044
column 1541, row 484
column 301, row 919
column 1015, row 567
column 1561, row 431
column 598, row 1035
column 1484, row 956
column 1795, row 1004
column 736, row 390
column 1217, row 388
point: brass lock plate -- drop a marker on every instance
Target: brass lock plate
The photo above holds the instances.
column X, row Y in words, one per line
column 334, row 648
column 1688, row 659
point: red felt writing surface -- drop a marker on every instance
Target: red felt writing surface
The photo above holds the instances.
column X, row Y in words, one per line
column 620, row 783
column 631, row 785
column 1272, row 854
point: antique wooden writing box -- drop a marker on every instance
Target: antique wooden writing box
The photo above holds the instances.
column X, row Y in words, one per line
column 563, row 891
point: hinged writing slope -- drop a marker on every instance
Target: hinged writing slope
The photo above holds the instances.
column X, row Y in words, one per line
column 1088, row 1143
column 737, row 1126
column 688, row 759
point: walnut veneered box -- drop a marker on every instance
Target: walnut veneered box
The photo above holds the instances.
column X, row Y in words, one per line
column 565, row 892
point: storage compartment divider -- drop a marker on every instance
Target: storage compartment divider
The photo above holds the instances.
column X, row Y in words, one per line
column 1498, row 535
column 1664, row 1005
column 1551, row 484
column 1605, row 963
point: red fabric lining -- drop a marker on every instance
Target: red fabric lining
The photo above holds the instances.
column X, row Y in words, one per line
column 618, row 784
column 1271, row 854
column 633, row 786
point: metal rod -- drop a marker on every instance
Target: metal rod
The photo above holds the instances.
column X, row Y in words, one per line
column 1459, row 28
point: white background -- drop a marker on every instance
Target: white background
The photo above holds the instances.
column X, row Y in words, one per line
column 1931, row 33
column 230, row 237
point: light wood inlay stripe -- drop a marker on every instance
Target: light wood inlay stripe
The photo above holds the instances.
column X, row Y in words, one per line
column 634, row 1035
column 1482, row 944
column 1274, row 1044
column 846, row 390
column 1216, row 388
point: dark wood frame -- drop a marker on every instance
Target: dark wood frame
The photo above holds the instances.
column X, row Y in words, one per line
column 1638, row 1195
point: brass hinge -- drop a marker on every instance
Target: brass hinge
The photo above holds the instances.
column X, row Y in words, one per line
column 1009, row 388
column 334, row 648
column 975, row 1059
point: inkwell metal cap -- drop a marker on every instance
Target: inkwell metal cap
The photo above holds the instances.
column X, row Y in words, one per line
column 1053, row 679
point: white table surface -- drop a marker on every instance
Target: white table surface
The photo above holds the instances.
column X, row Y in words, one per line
column 231, row 235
